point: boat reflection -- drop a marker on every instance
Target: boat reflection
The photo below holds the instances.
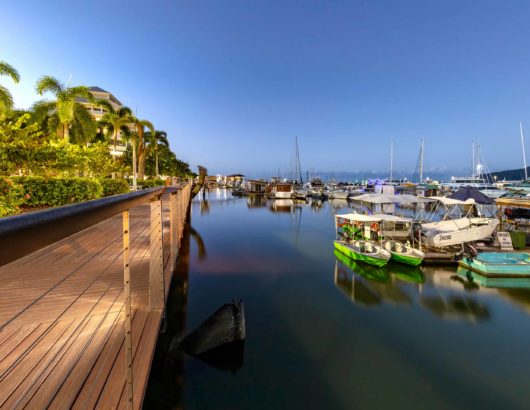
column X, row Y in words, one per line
column 492, row 281
column 407, row 285
column 370, row 285
column 456, row 307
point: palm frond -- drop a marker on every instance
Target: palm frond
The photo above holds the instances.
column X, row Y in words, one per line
column 48, row 83
column 80, row 91
column 125, row 112
column 105, row 104
column 9, row 70
column 83, row 128
column 6, row 100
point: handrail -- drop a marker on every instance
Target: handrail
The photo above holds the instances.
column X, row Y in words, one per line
column 23, row 234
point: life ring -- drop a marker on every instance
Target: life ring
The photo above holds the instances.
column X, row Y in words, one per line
column 374, row 227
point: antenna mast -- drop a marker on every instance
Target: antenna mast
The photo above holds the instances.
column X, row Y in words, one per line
column 524, row 155
column 421, row 160
column 473, row 156
column 391, row 159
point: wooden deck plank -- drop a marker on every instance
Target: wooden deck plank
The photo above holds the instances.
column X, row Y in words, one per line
column 112, row 391
column 143, row 359
column 64, row 398
column 61, row 318
column 23, row 363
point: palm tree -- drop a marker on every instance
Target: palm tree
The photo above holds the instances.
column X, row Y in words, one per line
column 114, row 120
column 66, row 109
column 154, row 140
column 6, row 100
column 140, row 126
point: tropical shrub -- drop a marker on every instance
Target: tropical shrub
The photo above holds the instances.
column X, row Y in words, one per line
column 151, row 183
column 11, row 197
column 114, row 186
column 39, row 191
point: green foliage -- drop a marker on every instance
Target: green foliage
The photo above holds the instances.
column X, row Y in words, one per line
column 39, row 191
column 25, row 150
column 151, row 183
column 11, row 197
column 6, row 100
column 114, row 186
column 70, row 119
column 168, row 164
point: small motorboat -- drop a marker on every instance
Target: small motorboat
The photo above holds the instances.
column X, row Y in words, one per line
column 498, row 264
column 404, row 253
column 364, row 251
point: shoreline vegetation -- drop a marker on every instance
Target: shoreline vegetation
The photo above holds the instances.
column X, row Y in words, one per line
column 57, row 153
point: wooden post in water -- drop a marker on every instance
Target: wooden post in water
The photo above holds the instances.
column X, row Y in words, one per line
column 156, row 258
column 127, row 324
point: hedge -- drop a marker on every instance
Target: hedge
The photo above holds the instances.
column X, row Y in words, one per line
column 151, row 183
column 40, row 191
column 11, row 197
column 114, row 186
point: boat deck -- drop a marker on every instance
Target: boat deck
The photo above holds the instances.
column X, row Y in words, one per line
column 62, row 322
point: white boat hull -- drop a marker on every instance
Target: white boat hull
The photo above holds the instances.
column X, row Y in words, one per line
column 440, row 234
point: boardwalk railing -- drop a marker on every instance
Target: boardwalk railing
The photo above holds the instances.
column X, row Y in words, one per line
column 21, row 235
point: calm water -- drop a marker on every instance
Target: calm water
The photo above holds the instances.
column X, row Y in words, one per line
column 322, row 336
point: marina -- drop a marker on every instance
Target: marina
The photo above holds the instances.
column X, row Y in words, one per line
column 321, row 325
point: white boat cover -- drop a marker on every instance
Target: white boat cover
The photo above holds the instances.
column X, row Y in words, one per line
column 450, row 201
column 373, row 218
column 405, row 199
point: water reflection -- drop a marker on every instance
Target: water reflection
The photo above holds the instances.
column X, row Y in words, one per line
column 405, row 285
column 166, row 379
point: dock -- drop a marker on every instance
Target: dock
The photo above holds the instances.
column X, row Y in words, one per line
column 79, row 318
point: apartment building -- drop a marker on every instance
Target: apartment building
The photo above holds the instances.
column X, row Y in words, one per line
column 98, row 112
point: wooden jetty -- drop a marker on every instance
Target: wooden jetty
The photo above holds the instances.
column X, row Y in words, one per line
column 80, row 317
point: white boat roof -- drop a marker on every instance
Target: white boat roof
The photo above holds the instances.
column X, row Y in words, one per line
column 358, row 217
column 391, row 218
column 372, row 218
column 450, row 201
column 391, row 199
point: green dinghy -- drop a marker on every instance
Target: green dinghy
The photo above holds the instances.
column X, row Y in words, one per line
column 364, row 251
column 404, row 253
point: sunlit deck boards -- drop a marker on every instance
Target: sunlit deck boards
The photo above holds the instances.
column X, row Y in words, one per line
column 61, row 319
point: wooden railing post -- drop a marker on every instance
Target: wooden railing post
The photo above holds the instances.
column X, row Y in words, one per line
column 156, row 257
column 173, row 229
column 127, row 296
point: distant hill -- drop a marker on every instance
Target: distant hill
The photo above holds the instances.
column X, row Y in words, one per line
column 510, row 175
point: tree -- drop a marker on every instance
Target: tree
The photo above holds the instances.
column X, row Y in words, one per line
column 6, row 100
column 140, row 126
column 65, row 113
column 154, row 140
column 114, row 120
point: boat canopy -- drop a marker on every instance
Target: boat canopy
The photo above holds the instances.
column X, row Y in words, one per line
column 373, row 218
column 391, row 218
column 358, row 217
column 451, row 201
column 404, row 199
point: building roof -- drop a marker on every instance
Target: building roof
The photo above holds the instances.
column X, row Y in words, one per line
column 98, row 89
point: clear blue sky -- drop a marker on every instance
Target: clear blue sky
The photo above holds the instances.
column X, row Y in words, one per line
column 233, row 82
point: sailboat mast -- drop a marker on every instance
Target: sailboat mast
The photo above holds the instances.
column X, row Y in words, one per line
column 473, row 156
column 391, row 159
column 421, row 160
column 299, row 170
column 524, row 155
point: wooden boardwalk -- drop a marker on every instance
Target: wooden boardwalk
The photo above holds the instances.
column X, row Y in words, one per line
column 62, row 336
